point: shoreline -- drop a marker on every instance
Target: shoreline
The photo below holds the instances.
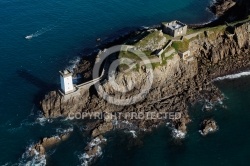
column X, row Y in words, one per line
column 178, row 126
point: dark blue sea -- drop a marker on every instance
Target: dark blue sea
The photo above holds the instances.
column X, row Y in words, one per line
column 61, row 31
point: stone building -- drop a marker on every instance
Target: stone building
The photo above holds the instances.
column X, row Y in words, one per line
column 174, row 28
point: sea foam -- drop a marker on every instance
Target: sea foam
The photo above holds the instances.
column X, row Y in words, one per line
column 36, row 160
column 133, row 133
column 73, row 63
column 177, row 134
column 233, row 76
column 87, row 159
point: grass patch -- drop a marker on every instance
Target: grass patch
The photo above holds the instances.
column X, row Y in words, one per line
column 155, row 65
column 240, row 21
column 152, row 36
column 181, row 45
column 219, row 28
column 167, row 36
column 129, row 55
column 170, row 57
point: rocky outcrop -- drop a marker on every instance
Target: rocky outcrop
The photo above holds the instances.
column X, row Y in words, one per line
column 229, row 10
column 180, row 124
column 152, row 43
column 102, row 128
column 47, row 143
column 222, row 6
column 208, row 126
column 223, row 52
column 57, row 105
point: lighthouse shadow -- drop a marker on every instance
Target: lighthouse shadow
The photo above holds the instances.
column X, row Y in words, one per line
column 43, row 86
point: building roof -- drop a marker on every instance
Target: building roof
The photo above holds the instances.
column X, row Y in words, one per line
column 65, row 73
column 174, row 25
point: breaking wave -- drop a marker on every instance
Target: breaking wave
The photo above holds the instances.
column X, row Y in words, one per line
column 210, row 130
column 28, row 159
column 133, row 133
column 177, row 134
column 233, row 76
column 85, row 158
column 63, row 131
column 73, row 63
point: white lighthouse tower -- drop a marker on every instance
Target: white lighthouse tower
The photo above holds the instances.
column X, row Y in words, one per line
column 66, row 81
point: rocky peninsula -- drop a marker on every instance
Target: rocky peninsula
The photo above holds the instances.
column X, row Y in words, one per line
column 217, row 51
column 178, row 83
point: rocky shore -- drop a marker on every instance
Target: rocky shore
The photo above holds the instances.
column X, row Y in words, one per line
column 177, row 84
column 37, row 153
column 220, row 7
column 229, row 10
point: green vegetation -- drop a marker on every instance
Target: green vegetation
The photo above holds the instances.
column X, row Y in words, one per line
column 123, row 67
column 166, row 59
column 181, row 45
column 136, row 58
column 168, row 49
column 129, row 55
column 240, row 22
column 148, row 38
column 219, row 28
column 167, row 36
column 169, row 57
column 153, row 36
column 155, row 65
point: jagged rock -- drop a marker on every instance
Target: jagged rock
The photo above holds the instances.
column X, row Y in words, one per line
column 208, row 126
column 38, row 148
column 93, row 151
column 181, row 124
column 46, row 143
column 85, row 67
column 103, row 128
column 51, row 141
column 55, row 105
column 222, row 6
